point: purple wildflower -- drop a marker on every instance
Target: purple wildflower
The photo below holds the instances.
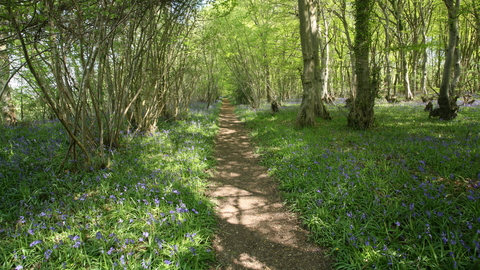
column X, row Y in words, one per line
column 47, row 254
column 36, row 242
column 110, row 251
column 122, row 260
column 145, row 264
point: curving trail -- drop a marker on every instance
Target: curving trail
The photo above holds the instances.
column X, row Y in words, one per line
column 255, row 230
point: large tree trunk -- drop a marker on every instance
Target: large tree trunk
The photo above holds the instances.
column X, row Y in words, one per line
column 306, row 114
column 311, row 102
column 447, row 103
column 361, row 114
column 6, row 102
column 8, row 108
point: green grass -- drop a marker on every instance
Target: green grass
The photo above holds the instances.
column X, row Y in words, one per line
column 404, row 195
column 147, row 210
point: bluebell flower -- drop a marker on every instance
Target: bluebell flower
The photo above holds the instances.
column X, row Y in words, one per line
column 47, row 254
column 36, row 242
column 122, row 260
column 110, row 251
column 74, row 237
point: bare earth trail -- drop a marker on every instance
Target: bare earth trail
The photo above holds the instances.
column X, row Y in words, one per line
column 255, row 230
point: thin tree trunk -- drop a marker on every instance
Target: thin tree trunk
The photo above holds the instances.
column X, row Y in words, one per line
column 388, row 68
column 423, row 82
column 398, row 7
column 353, row 79
column 325, row 49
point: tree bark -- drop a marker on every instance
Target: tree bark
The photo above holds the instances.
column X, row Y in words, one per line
column 361, row 115
column 6, row 102
column 311, row 102
column 325, row 71
column 447, row 103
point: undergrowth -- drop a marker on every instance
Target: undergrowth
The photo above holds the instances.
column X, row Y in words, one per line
column 403, row 195
column 145, row 211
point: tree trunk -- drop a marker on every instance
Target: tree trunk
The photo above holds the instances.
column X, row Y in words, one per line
column 397, row 10
column 447, row 103
column 343, row 17
column 6, row 102
column 306, row 114
column 423, row 82
column 388, row 68
column 8, row 108
column 325, row 71
column 311, row 101
column 361, row 114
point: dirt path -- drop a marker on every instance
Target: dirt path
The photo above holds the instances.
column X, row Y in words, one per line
column 255, row 229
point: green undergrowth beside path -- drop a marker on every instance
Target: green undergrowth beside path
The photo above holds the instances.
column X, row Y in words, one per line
column 145, row 211
column 404, row 195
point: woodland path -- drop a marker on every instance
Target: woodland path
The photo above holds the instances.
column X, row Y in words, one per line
column 255, row 230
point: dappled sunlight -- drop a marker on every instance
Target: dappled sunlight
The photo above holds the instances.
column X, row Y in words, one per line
column 255, row 229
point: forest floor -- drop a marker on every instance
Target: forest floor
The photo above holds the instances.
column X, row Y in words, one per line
column 255, row 229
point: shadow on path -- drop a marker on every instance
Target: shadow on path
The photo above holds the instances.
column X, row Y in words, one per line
column 255, row 230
